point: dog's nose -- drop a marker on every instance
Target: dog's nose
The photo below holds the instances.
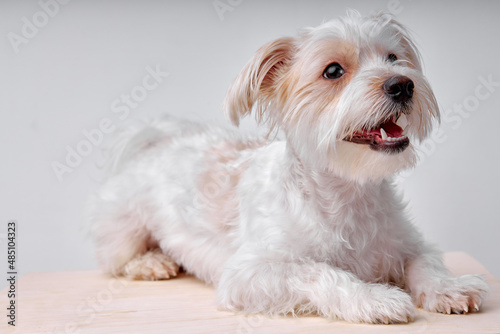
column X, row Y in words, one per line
column 399, row 88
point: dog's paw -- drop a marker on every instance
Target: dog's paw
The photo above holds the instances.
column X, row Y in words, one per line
column 381, row 304
column 151, row 266
column 453, row 295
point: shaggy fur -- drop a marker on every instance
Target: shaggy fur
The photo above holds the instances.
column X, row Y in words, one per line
column 311, row 224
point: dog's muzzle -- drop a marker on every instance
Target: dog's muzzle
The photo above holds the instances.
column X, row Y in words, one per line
column 388, row 137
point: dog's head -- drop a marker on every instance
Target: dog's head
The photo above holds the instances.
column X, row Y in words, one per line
column 349, row 95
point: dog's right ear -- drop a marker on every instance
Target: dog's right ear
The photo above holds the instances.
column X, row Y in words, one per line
column 256, row 84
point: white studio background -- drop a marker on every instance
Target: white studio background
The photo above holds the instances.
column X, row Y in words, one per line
column 61, row 77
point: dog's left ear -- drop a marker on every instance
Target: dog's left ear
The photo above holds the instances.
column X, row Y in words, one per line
column 411, row 50
column 255, row 86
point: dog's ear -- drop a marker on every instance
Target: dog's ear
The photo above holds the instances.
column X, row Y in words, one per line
column 255, row 86
column 385, row 19
column 411, row 51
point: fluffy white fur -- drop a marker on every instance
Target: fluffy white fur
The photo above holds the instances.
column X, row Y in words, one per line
column 311, row 224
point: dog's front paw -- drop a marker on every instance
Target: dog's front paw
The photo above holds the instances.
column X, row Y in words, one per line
column 453, row 295
column 381, row 304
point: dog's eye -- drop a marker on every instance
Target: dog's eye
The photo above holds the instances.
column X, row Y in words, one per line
column 392, row 57
column 333, row 71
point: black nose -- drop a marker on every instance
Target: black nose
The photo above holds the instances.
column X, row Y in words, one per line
column 399, row 88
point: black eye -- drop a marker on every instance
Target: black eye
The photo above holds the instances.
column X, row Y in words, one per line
column 392, row 57
column 333, row 71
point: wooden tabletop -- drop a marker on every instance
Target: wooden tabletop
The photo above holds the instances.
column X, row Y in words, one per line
column 91, row 302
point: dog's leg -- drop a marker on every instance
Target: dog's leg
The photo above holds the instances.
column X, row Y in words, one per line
column 434, row 289
column 125, row 248
column 124, row 243
column 260, row 285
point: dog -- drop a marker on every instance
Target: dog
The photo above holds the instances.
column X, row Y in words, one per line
column 308, row 224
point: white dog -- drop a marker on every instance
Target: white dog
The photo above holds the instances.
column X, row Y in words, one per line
column 311, row 224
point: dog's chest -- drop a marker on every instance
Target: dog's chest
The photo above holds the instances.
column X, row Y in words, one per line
column 359, row 234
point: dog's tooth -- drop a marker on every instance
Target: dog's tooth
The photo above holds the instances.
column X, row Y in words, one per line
column 402, row 121
column 383, row 133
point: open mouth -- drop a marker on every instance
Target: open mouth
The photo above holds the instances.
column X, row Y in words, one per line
column 387, row 137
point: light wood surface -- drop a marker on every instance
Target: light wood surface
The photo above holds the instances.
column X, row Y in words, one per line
column 91, row 302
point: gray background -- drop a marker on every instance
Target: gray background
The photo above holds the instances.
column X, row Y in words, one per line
column 64, row 79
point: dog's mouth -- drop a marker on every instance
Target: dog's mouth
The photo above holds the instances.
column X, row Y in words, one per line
column 386, row 137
